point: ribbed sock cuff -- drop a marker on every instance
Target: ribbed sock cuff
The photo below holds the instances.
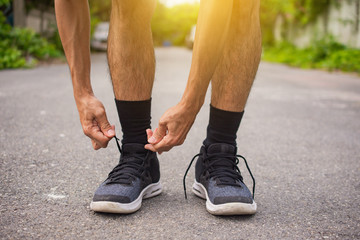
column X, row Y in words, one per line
column 135, row 118
column 223, row 126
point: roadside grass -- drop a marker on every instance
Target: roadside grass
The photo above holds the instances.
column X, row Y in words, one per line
column 322, row 54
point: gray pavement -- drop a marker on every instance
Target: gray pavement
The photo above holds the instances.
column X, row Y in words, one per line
column 300, row 134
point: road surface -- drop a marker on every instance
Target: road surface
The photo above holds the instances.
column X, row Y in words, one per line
column 300, row 134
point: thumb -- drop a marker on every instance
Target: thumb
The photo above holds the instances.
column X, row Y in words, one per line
column 110, row 133
column 158, row 134
column 107, row 129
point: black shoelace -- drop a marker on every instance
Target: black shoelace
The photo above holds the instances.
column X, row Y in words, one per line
column 126, row 170
column 227, row 174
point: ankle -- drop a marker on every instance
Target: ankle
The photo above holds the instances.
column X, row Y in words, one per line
column 223, row 126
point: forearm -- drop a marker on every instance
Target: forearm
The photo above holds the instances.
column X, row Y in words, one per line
column 73, row 20
column 211, row 32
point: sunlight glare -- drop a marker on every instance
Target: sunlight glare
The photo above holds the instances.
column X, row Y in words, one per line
column 171, row 3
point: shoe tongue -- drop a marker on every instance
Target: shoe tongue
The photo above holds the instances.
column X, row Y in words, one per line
column 131, row 148
column 226, row 163
column 221, row 148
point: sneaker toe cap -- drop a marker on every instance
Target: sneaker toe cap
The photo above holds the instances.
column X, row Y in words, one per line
column 221, row 194
column 118, row 192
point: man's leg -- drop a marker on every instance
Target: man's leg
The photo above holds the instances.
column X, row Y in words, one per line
column 237, row 68
column 130, row 49
column 132, row 66
column 231, row 84
column 235, row 73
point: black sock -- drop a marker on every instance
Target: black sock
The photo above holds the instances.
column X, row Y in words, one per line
column 135, row 118
column 223, row 126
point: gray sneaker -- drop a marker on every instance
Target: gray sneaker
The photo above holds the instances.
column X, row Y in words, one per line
column 136, row 177
column 218, row 180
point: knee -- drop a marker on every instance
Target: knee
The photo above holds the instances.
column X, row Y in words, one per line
column 133, row 9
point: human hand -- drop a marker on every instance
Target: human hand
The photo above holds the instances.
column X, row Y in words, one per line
column 173, row 127
column 94, row 121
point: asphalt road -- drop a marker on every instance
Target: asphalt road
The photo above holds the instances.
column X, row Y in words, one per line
column 300, row 134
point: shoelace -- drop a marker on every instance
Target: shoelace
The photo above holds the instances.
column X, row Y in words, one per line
column 222, row 173
column 125, row 171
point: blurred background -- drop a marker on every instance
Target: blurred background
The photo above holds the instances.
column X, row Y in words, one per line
column 305, row 33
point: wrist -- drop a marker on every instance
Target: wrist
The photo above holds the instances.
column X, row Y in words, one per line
column 82, row 87
column 192, row 102
column 194, row 94
column 83, row 92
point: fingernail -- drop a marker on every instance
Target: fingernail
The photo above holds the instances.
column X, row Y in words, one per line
column 152, row 139
column 111, row 132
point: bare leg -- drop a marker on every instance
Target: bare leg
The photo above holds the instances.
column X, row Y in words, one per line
column 235, row 73
column 130, row 49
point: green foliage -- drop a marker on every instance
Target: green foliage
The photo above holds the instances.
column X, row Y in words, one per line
column 55, row 40
column 99, row 12
column 20, row 47
column 173, row 24
column 296, row 13
column 325, row 54
column 4, row 2
column 168, row 24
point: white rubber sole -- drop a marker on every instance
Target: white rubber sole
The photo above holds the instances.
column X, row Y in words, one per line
column 234, row 208
column 152, row 190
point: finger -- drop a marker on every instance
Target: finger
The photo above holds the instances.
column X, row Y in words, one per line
column 100, row 139
column 163, row 149
column 164, row 145
column 152, row 139
column 153, row 149
column 105, row 127
column 95, row 134
column 111, row 132
column 95, row 145
column 150, row 147
column 149, row 133
column 158, row 134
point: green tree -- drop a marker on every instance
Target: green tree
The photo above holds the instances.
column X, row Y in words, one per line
column 173, row 24
column 168, row 24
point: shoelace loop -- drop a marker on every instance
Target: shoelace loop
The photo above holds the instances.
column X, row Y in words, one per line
column 222, row 173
